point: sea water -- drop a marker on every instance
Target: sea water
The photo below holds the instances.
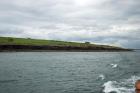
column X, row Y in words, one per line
column 69, row 72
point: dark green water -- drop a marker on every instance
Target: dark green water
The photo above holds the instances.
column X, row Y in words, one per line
column 69, row 72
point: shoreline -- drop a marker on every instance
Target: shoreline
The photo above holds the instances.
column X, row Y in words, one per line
column 38, row 45
column 66, row 51
column 35, row 48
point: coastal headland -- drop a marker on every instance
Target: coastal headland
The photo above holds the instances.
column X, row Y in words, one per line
column 28, row 44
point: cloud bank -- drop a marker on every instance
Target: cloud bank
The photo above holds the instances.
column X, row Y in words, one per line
column 115, row 22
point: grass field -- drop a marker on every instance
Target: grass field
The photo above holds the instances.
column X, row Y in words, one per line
column 28, row 41
column 39, row 42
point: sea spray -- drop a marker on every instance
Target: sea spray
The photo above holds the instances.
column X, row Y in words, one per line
column 101, row 76
column 113, row 65
column 123, row 86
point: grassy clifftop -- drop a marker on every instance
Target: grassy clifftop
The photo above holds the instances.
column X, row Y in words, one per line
column 39, row 42
column 24, row 43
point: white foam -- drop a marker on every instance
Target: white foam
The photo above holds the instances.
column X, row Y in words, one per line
column 101, row 76
column 124, row 86
column 110, row 87
column 114, row 65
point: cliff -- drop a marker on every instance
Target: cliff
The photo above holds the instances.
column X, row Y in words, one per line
column 27, row 44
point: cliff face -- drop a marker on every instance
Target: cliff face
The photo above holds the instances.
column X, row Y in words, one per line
column 56, row 48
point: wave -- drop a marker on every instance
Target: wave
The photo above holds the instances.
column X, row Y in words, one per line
column 7, row 81
column 114, row 65
column 101, row 76
column 123, row 86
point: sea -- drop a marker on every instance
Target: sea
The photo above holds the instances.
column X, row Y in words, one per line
column 69, row 72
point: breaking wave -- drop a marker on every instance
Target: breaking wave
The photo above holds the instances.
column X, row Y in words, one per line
column 114, row 65
column 123, row 86
column 101, row 76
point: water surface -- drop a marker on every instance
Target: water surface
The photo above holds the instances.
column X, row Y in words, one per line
column 69, row 72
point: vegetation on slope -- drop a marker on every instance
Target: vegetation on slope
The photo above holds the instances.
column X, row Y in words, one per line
column 28, row 43
column 39, row 42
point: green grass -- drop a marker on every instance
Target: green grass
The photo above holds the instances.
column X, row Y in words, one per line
column 28, row 41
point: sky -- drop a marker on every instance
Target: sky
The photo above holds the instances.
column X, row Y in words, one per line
column 113, row 22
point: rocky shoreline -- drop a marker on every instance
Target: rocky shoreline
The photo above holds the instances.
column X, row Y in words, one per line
column 45, row 48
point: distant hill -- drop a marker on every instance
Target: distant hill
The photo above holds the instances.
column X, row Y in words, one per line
column 28, row 44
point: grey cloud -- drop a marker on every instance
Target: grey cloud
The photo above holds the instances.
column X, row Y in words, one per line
column 10, row 31
column 105, row 21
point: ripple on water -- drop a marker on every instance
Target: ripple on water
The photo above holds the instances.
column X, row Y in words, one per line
column 8, row 81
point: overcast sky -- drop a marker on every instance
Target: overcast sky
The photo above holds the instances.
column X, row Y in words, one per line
column 115, row 22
